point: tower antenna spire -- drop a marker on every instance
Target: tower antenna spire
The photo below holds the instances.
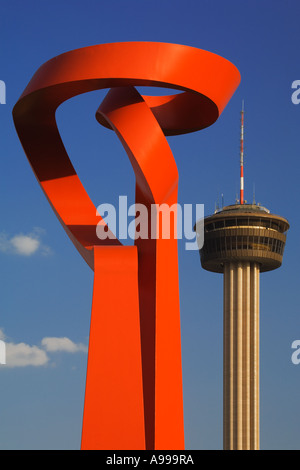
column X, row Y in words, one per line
column 242, row 156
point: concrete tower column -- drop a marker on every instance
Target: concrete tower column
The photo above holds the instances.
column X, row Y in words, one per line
column 241, row 355
column 241, row 241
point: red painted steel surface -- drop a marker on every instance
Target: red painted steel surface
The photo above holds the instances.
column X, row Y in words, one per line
column 133, row 396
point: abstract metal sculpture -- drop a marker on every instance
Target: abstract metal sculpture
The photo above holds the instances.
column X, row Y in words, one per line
column 133, row 396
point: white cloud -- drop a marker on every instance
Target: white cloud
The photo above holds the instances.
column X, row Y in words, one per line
column 23, row 355
column 52, row 344
column 24, row 245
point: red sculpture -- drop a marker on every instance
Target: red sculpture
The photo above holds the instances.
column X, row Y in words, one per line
column 133, row 396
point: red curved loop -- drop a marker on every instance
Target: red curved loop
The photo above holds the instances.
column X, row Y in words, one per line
column 149, row 351
column 208, row 81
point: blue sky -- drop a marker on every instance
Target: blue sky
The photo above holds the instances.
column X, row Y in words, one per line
column 46, row 288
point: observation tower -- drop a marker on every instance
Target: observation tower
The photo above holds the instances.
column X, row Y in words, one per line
column 241, row 241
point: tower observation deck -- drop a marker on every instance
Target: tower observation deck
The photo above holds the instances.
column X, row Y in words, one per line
column 243, row 232
column 241, row 241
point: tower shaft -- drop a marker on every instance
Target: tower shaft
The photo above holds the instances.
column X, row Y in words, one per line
column 241, row 355
column 241, row 241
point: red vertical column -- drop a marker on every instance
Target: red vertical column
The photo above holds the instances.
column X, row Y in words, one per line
column 113, row 409
column 169, row 423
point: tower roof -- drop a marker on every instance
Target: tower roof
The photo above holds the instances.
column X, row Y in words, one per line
column 246, row 210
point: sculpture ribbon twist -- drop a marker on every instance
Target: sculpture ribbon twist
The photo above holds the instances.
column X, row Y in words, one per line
column 133, row 397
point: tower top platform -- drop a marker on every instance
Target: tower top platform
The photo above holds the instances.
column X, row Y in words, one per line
column 243, row 232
